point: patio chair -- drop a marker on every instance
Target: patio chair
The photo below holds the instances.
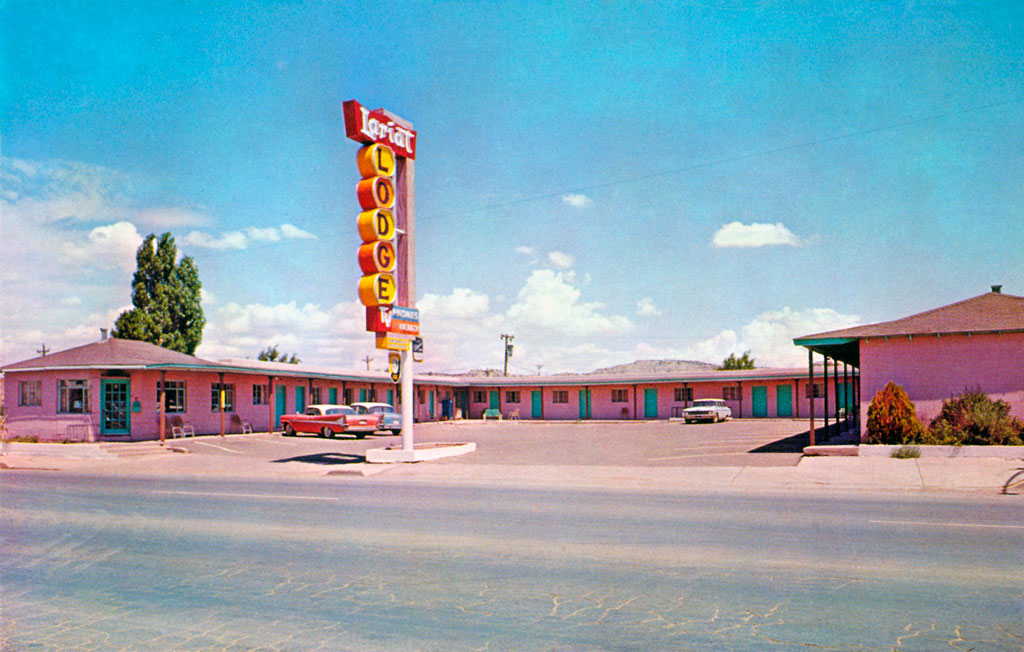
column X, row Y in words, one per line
column 179, row 428
column 513, row 415
column 237, row 422
column 492, row 413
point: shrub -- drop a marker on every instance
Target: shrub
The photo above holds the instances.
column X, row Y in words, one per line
column 891, row 417
column 906, row 452
column 975, row 419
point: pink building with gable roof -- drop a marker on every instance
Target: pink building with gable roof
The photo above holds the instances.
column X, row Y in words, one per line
column 975, row 344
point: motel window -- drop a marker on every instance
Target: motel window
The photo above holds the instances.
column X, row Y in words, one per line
column 314, row 396
column 260, row 395
column 683, row 394
column 30, row 392
column 818, row 390
column 512, row 397
column 229, row 397
column 560, row 396
column 731, row 393
column 479, row 397
column 174, row 396
column 423, row 399
column 620, row 395
column 73, row 396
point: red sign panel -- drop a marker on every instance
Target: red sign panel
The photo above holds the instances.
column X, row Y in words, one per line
column 393, row 319
column 366, row 126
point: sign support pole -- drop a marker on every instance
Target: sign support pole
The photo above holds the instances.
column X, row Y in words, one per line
column 405, row 223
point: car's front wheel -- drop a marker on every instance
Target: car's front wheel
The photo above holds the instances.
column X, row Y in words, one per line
column 289, row 431
column 327, row 432
column 396, row 432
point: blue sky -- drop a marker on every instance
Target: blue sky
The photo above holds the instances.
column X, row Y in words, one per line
column 606, row 181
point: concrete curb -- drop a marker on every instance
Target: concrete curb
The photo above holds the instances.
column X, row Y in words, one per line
column 997, row 452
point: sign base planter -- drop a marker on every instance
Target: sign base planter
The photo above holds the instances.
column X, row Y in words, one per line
column 420, row 452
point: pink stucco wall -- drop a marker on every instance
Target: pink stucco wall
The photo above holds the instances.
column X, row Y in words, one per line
column 932, row 369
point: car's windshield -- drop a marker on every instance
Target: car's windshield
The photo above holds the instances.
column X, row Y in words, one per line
column 704, row 404
column 313, row 411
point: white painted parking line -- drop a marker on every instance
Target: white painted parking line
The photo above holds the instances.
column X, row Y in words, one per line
column 230, row 450
column 683, row 457
column 951, row 524
column 239, row 495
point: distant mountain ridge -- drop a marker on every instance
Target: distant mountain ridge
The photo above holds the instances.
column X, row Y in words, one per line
column 657, row 367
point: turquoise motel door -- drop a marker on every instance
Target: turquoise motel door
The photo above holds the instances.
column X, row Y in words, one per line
column 759, row 398
column 650, row 403
column 300, row 400
column 391, row 397
column 362, row 395
column 280, row 404
column 115, row 415
column 784, row 400
column 537, row 405
column 431, row 405
column 495, row 403
column 332, row 395
column 584, row 404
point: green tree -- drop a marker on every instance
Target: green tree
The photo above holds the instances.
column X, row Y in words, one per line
column 271, row 354
column 166, row 297
column 742, row 362
column 892, row 418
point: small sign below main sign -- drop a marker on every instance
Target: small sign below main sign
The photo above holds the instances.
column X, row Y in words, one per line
column 392, row 343
column 395, row 366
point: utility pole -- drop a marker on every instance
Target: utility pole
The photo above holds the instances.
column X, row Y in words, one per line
column 539, row 368
column 367, row 360
column 508, row 349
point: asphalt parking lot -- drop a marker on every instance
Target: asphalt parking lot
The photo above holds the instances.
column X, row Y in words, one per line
column 762, row 442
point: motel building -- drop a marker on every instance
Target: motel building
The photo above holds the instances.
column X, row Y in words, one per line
column 109, row 390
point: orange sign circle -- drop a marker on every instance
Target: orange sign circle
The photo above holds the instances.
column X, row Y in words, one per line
column 377, row 257
column 376, row 192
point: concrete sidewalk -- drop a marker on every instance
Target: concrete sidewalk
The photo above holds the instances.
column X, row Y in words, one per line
column 875, row 474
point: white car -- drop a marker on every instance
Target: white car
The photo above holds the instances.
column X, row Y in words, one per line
column 707, row 409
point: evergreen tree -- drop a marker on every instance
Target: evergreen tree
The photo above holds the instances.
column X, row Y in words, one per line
column 166, row 297
column 742, row 362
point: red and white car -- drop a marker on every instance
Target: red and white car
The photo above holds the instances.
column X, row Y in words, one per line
column 327, row 420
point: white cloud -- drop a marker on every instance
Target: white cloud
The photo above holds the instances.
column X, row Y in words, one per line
column 242, row 239
column 645, row 308
column 576, row 200
column 560, row 259
column 462, row 303
column 550, row 300
column 769, row 337
column 736, row 234
column 293, row 232
column 71, row 301
column 524, row 250
column 230, row 240
column 113, row 245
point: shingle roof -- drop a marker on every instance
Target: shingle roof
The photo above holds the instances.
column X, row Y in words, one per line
column 988, row 313
column 112, row 352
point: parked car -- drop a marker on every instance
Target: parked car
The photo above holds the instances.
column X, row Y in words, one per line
column 390, row 418
column 326, row 420
column 707, row 409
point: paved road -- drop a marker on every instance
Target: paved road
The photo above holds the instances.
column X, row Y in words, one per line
column 156, row 563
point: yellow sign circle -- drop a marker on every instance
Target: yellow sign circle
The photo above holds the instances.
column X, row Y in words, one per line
column 376, row 161
column 378, row 289
column 376, row 225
